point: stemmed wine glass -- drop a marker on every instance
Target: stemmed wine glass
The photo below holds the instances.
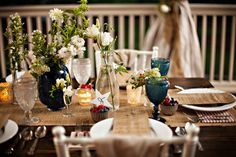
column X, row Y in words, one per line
column 82, row 70
column 162, row 63
column 25, row 92
column 67, row 97
column 156, row 90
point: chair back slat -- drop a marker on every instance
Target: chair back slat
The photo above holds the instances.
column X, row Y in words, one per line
column 62, row 143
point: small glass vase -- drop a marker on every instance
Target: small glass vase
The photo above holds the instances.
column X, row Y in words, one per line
column 107, row 81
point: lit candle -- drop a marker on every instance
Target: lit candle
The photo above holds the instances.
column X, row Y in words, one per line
column 5, row 92
column 85, row 95
column 133, row 95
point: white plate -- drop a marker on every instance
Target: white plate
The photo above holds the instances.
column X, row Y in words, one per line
column 11, row 129
column 200, row 91
column 207, row 90
column 18, row 75
column 103, row 128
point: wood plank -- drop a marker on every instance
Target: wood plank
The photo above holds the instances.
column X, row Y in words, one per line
column 222, row 53
column 213, row 48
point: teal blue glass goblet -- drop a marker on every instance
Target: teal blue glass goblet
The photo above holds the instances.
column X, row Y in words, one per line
column 162, row 63
column 156, row 90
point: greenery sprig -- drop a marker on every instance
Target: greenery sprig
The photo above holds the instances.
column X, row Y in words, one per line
column 17, row 41
column 138, row 80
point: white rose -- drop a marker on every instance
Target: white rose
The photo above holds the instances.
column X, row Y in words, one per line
column 64, row 53
column 106, row 38
column 92, row 32
column 76, row 40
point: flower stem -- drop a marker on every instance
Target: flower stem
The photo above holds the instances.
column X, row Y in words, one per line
column 109, row 80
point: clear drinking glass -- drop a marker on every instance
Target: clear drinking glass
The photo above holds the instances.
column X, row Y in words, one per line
column 68, row 101
column 25, row 92
column 82, row 70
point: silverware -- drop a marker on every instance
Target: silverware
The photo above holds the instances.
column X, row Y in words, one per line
column 187, row 125
column 40, row 132
column 26, row 136
column 180, row 131
column 11, row 148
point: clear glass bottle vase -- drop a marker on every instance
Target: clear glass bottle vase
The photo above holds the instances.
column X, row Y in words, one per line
column 107, row 81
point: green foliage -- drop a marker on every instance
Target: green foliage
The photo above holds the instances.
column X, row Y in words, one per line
column 138, row 79
column 17, row 40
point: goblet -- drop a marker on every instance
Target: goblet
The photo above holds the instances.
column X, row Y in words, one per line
column 156, row 90
column 162, row 63
column 82, row 70
column 67, row 101
column 25, row 92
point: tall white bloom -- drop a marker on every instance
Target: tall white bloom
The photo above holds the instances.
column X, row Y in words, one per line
column 56, row 15
column 106, row 38
column 92, row 32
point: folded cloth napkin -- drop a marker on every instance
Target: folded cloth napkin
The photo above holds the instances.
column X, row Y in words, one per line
column 127, row 146
column 215, row 117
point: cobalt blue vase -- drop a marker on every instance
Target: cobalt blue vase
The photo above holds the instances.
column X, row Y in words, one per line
column 45, row 83
column 156, row 90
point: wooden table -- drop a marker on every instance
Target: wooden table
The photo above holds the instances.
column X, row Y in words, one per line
column 216, row 140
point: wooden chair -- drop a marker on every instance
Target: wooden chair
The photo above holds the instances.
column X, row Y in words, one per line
column 104, row 145
column 134, row 59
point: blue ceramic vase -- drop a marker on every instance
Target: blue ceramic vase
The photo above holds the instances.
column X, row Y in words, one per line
column 156, row 90
column 45, row 83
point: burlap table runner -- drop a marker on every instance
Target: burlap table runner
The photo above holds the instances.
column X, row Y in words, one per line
column 82, row 114
column 131, row 122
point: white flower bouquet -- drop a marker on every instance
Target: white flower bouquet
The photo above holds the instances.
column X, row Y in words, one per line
column 67, row 40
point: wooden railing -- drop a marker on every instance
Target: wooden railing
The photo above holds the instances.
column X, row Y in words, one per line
column 215, row 24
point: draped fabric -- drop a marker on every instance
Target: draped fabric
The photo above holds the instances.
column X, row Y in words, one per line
column 175, row 35
column 130, row 146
